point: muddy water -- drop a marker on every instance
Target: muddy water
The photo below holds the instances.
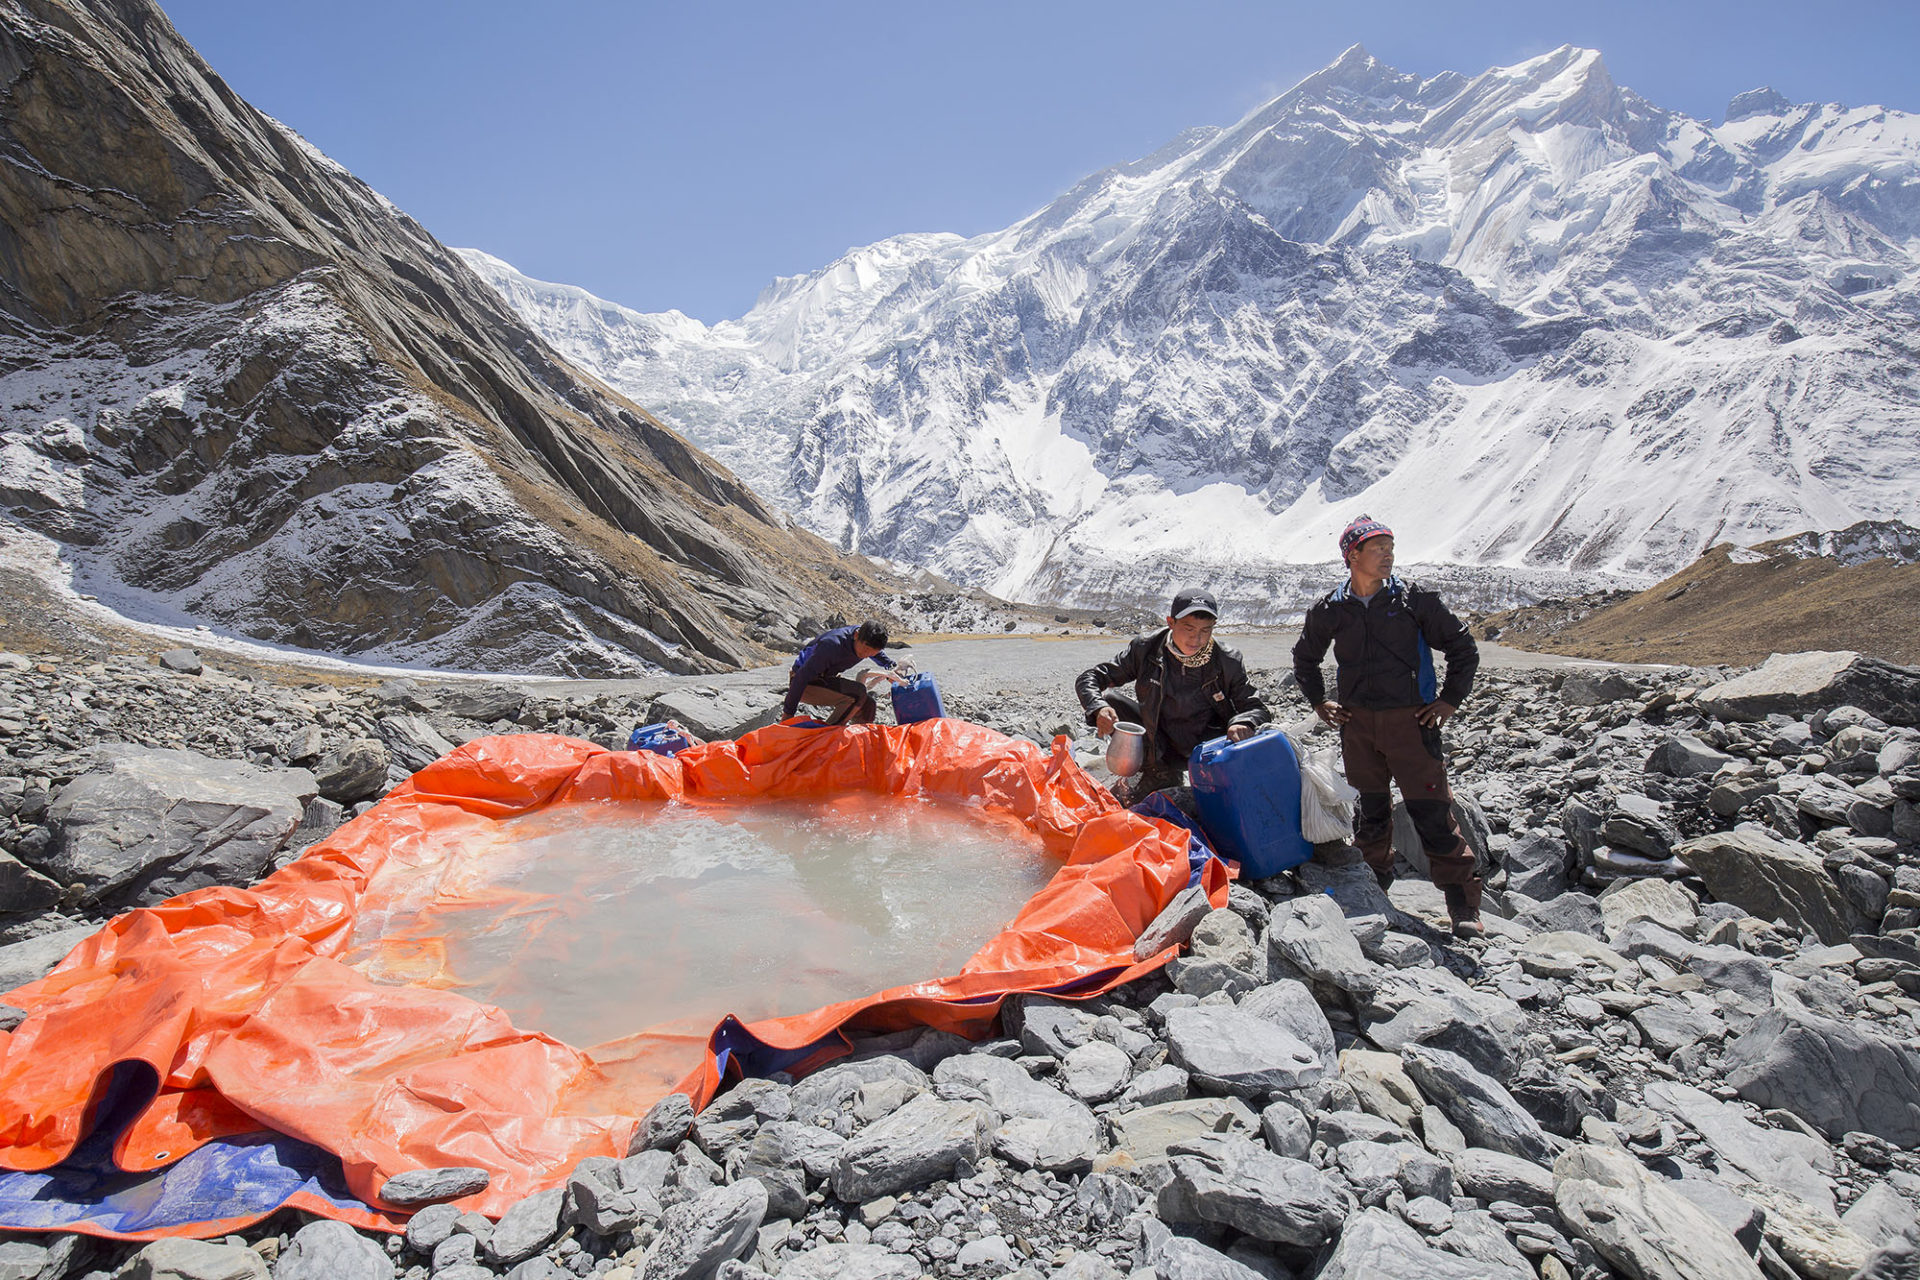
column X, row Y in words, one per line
column 589, row 922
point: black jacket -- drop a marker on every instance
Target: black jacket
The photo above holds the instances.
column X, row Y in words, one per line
column 1224, row 689
column 1384, row 651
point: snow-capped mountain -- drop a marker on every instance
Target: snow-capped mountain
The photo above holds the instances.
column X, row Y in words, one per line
column 1534, row 321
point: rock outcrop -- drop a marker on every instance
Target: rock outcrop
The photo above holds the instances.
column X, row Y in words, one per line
column 241, row 385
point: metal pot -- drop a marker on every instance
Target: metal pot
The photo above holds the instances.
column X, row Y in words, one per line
column 1126, row 749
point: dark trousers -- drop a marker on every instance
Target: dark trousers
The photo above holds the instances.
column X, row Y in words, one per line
column 849, row 699
column 1389, row 746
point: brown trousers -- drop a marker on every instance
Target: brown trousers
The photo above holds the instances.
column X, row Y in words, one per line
column 1387, row 746
column 849, row 699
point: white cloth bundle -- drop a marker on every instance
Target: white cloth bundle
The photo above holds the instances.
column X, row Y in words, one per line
column 1326, row 800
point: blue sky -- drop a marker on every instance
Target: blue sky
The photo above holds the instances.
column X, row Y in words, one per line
column 682, row 156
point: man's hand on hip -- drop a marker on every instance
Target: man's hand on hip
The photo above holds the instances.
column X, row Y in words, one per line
column 1435, row 714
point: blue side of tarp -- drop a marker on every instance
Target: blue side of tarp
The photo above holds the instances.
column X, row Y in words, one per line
column 243, row 1177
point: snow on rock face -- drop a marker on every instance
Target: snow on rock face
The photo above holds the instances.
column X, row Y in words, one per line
column 238, row 387
column 1532, row 320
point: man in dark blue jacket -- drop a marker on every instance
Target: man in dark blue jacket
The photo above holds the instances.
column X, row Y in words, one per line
column 1383, row 632
column 816, row 678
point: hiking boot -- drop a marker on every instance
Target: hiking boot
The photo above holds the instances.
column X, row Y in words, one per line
column 1463, row 909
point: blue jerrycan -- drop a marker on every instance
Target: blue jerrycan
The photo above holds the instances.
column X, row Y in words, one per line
column 1248, row 794
column 662, row 739
column 917, row 698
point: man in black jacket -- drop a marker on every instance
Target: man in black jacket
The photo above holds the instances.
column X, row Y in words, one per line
column 1187, row 688
column 1383, row 632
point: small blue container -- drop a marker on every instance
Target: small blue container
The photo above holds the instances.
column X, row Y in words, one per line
column 1248, row 794
column 917, row 699
column 661, row 739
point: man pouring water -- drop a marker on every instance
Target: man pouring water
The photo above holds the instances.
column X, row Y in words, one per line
column 1187, row 688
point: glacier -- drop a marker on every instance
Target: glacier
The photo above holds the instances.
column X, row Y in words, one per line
column 1549, row 331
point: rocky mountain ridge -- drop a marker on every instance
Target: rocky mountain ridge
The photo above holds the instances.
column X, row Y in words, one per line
column 1539, row 323
column 239, row 387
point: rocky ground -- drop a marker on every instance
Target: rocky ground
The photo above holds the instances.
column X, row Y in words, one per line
column 1686, row 1047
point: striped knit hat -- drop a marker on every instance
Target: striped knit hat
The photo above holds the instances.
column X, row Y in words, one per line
column 1362, row 528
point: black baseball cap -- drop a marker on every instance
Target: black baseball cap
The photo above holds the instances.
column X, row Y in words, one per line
column 1193, row 600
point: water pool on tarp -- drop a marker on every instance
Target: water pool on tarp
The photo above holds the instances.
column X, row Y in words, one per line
column 592, row 921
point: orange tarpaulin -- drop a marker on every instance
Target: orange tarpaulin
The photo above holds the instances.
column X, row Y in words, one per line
column 239, row 1001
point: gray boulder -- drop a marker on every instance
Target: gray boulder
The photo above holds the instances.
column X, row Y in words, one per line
column 1797, row 683
column 147, row 824
column 1376, row 1244
column 1596, row 688
column 1309, row 939
column 1183, row 1259
column 1231, row 1051
column 1641, row 1226
column 1376, row 1170
column 1538, row 866
column 1290, row 1006
column 851, row 1262
column 665, row 1126
column 412, row 742
column 714, row 714
column 1433, row 1007
column 1478, row 1104
column 328, row 1250
column 823, row 1095
column 1783, row 1158
column 1096, row 1071
column 1880, row 1215
column 486, row 703
column 1175, row 923
column 1040, row 1127
column 603, row 1198
column 527, row 1227
column 35, row 958
column 1837, row 1077
column 1637, row 823
column 1495, row 1175
column 430, row 1186
column 920, row 1142
column 1150, row 1132
column 22, row 889
column 1681, row 755
column 430, row 1226
column 355, row 770
column 1569, row 912
column 1647, row 899
column 698, row 1235
column 1238, row 1183
column 183, row 1260
column 1352, row 885
column 1774, row 880
column 185, row 661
